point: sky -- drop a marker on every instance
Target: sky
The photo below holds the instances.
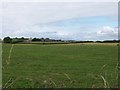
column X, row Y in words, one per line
column 61, row 20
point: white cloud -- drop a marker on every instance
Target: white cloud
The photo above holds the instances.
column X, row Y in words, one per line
column 108, row 32
column 105, row 33
column 30, row 13
column 19, row 19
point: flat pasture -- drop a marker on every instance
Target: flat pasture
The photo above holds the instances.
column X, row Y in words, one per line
column 60, row 65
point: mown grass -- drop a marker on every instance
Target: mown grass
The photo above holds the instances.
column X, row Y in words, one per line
column 60, row 66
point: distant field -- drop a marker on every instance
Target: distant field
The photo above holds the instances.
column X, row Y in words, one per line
column 67, row 65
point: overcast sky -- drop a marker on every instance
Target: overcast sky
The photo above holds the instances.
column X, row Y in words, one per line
column 61, row 20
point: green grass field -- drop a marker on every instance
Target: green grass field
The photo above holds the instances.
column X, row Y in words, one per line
column 60, row 66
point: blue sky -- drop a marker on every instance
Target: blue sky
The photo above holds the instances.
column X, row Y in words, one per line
column 83, row 23
column 66, row 21
column 76, row 27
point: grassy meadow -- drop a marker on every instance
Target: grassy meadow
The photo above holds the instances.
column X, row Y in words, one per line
column 60, row 66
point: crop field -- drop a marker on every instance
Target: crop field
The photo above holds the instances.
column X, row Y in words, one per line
column 60, row 66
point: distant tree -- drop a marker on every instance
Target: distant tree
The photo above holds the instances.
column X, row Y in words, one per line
column 36, row 39
column 7, row 40
column 17, row 40
column 22, row 38
column 0, row 40
column 98, row 41
column 111, row 41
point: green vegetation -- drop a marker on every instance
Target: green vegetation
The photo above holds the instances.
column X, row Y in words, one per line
column 48, row 40
column 7, row 40
column 66, row 65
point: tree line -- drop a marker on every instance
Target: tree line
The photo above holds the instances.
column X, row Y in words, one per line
column 29, row 40
column 26, row 40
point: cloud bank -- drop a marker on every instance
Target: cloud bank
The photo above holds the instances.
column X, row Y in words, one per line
column 63, row 20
